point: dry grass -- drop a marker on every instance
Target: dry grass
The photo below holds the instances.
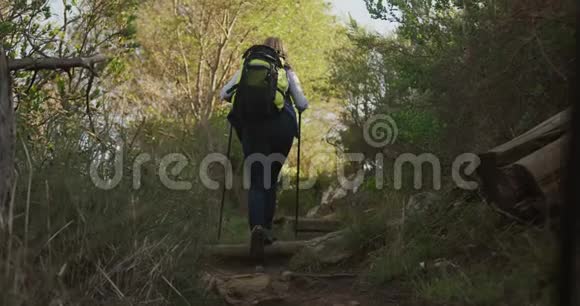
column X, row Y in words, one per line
column 63, row 241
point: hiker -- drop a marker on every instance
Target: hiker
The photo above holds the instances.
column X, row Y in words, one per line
column 262, row 93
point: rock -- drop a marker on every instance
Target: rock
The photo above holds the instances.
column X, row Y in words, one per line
column 259, row 269
column 331, row 217
column 329, row 249
column 286, row 276
column 250, row 289
column 249, row 283
column 421, row 202
column 353, row 303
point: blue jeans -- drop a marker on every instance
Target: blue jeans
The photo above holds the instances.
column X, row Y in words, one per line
column 266, row 146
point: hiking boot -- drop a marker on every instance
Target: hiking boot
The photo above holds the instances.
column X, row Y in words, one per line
column 257, row 243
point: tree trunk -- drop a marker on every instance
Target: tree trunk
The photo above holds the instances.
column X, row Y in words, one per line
column 6, row 131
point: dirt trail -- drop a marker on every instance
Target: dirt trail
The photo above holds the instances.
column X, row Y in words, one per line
column 240, row 282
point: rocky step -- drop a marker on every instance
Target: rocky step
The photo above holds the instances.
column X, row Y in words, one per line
column 278, row 249
column 331, row 248
column 275, row 289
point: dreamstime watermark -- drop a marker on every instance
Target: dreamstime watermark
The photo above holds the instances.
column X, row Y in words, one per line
column 106, row 172
column 380, row 130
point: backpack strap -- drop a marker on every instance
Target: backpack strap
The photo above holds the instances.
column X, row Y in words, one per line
column 232, row 89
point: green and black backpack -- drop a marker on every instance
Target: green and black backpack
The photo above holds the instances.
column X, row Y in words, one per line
column 262, row 85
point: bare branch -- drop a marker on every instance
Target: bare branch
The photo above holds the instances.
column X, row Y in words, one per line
column 88, row 106
column 32, row 81
column 54, row 63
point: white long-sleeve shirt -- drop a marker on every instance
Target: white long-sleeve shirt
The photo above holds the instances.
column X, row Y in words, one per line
column 294, row 88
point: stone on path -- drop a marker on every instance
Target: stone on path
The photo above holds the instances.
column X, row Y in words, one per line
column 250, row 289
column 329, row 249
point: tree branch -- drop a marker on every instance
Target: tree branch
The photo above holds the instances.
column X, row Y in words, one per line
column 54, row 63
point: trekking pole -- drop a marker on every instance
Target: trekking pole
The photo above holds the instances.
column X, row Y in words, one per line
column 224, row 185
column 298, row 176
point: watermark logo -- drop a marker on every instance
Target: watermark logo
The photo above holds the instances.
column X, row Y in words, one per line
column 106, row 171
column 380, row 130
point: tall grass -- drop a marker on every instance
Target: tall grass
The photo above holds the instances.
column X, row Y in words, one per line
column 66, row 242
column 461, row 252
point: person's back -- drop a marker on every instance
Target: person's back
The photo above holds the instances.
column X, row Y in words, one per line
column 266, row 140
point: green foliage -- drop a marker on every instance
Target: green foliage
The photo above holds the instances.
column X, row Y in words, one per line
column 453, row 67
column 235, row 227
column 184, row 57
column 309, row 198
column 376, row 76
column 465, row 254
column 418, row 126
column 6, row 28
column 194, row 46
column 518, row 272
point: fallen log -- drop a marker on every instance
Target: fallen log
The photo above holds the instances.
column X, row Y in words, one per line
column 543, row 171
column 528, row 142
column 536, row 176
column 278, row 249
column 500, row 181
column 310, row 224
column 54, row 63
